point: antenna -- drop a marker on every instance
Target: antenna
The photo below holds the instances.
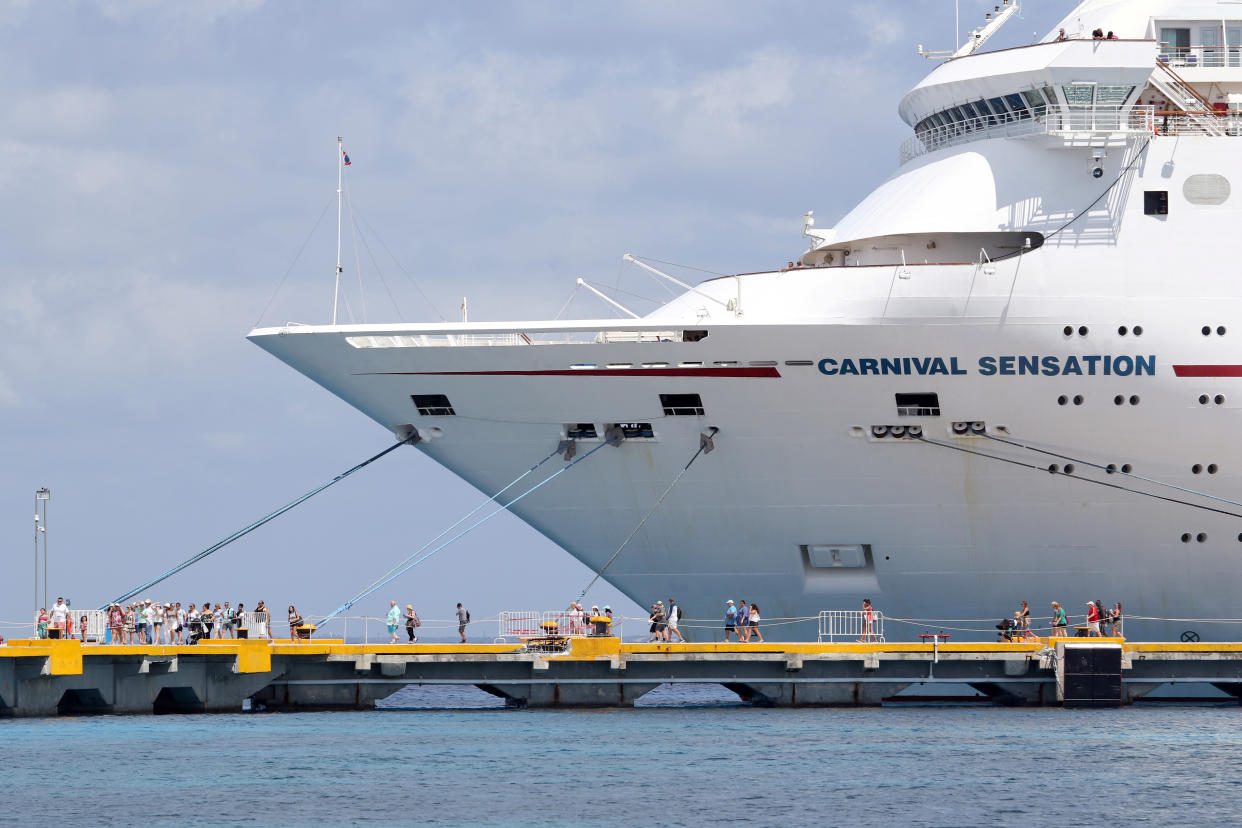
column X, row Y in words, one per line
column 993, row 20
column 340, row 171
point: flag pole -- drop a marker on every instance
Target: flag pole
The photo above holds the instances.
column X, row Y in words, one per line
column 340, row 170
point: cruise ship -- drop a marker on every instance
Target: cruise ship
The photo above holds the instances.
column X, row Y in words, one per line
column 1012, row 372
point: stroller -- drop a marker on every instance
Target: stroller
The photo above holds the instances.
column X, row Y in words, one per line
column 195, row 632
column 1008, row 630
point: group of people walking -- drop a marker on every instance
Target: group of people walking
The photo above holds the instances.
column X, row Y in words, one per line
column 742, row 620
column 665, row 622
column 1098, row 622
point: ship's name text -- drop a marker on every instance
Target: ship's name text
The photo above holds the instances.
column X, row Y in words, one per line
column 988, row 366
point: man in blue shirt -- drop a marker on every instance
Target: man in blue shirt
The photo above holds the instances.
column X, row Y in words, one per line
column 730, row 619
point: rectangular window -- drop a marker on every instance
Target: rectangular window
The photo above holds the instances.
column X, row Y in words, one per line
column 581, row 431
column 1156, row 203
column 1079, row 94
column 998, row 106
column 1112, row 95
column 1175, row 46
column 1051, row 95
column 433, row 405
column 1017, row 105
column 918, row 405
column 1035, row 101
column 681, row 405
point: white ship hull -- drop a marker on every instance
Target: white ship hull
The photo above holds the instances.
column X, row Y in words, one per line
column 799, row 369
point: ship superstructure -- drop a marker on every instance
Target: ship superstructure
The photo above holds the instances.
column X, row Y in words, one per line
column 1011, row 372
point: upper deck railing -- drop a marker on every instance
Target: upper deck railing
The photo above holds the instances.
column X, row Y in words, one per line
column 1206, row 57
column 1075, row 122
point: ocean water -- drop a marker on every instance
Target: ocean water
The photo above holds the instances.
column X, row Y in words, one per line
column 448, row 756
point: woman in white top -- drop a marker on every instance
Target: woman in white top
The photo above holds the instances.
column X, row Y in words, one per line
column 754, row 621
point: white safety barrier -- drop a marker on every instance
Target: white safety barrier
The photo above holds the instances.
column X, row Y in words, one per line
column 256, row 624
column 532, row 624
column 96, row 624
column 851, row 625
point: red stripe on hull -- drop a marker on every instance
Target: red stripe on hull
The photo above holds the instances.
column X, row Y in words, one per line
column 764, row 372
column 1208, row 370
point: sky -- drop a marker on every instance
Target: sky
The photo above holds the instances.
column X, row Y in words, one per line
column 170, row 182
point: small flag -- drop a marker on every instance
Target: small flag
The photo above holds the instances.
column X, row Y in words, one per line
column 346, row 154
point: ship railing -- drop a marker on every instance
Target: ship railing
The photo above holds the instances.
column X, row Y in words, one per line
column 1177, row 123
column 851, row 625
column 1206, row 57
column 510, row 339
column 1072, row 121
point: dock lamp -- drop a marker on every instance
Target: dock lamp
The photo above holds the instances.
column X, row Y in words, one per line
column 42, row 496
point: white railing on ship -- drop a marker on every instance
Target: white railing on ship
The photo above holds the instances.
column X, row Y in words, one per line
column 510, row 339
column 1198, row 123
column 851, row 625
column 1194, row 57
column 1093, row 120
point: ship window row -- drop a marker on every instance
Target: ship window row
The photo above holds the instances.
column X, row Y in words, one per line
column 986, row 113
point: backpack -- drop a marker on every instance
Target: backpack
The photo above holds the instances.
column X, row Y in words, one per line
column 467, row 616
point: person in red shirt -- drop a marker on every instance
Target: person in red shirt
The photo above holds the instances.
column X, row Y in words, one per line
column 1093, row 620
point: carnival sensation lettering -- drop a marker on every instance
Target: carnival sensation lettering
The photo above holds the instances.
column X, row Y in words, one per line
column 988, row 366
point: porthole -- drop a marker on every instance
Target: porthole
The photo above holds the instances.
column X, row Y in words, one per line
column 1196, row 469
column 1119, row 400
column 1206, row 331
column 1212, row 468
column 1068, row 330
column 1134, row 399
column 1125, row 468
column 1062, row 400
column 1201, row 537
column 1052, row 469
column 1078, row 399
column 1219, row 399
column 1082, row 330
column 1122, row 331
column 1185, row 537
column 1069, row 468
column 1203, row 399
column 1220, row 331
column 1138, row 330
column 1111, row 468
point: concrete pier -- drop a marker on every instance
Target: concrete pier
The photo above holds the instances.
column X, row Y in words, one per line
column 47, row 678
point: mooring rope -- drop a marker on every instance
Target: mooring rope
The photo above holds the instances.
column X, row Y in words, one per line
column 703, row 444
column 217, row 546
column 378, row 582
column 503, row 507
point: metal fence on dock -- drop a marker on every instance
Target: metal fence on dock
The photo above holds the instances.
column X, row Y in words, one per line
column 858, row 625
column 519, row 624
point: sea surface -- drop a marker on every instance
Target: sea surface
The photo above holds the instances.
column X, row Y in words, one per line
column 687, row 756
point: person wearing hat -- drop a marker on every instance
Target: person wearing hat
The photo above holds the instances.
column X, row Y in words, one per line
column 731, row 620
column 657, row 621
column 1093, row 620
column 411, row 622
column 156, row 620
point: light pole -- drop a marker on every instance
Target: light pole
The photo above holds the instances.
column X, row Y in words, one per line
column 42, row 496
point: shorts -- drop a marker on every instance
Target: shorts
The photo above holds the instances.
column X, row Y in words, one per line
column 461, row 628
column 392, row 629
column 730, row 628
